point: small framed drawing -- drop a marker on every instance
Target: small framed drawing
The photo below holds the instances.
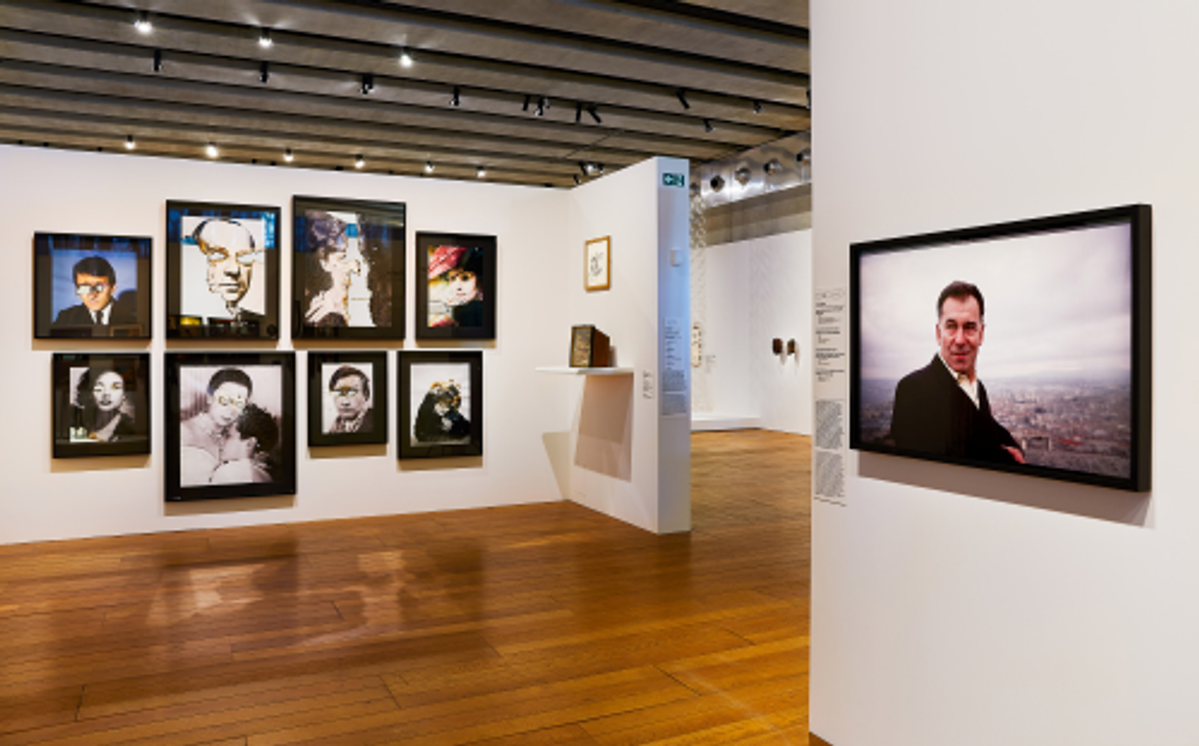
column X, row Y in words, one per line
column 348, row 277
column 91, row 286
column 455, row 289
column 441, row 404
column 597, row 264
column 222, row 270
column 101, row 404
column 230, row 431
column 347, row 398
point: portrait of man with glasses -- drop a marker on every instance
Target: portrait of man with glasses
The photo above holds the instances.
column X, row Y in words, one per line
column 943, row 408
column 100, row 307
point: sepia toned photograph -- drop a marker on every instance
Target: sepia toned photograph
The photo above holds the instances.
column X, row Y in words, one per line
column 455, row 292
column 101, row 404
column 91, row 286
column 347, row 398
column 441, row 407
column 1022, row 348
column 230, row 428
column 348, row 268
column 222, row 271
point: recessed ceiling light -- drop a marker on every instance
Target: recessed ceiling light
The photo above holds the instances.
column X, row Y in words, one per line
column 211, row 150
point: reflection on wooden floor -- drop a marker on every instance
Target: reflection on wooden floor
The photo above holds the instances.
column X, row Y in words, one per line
column 530, row 625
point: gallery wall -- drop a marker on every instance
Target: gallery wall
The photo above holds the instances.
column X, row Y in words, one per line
column 957, row 606
column 751, row 293
column 48, row 190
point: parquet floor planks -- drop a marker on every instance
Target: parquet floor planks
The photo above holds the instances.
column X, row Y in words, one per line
column 534, row 625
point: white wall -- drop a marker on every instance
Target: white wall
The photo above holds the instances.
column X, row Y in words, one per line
column 955, row 606
column 627, row 459
column 59, row 191
column 754, row 291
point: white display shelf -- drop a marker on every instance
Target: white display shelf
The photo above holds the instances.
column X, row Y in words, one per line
column 587, row 371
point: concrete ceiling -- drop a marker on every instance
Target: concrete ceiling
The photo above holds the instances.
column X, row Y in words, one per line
column 79, row 75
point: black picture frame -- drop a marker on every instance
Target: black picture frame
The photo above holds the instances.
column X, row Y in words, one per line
column 222, row 270
column 341, row 379
column 442, row 253
column 238, row 441
column 1069, row 310
column 121, row 264
column 426, row 377
column 101, row 404
column 372, row 238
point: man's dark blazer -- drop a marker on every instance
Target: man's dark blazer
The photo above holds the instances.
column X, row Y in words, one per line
column 933, row 415
column 78, row 316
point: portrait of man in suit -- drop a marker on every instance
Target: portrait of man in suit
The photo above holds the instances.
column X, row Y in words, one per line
column 99, row 306
column 231, row 253
column 943, row 409
column 350, row 390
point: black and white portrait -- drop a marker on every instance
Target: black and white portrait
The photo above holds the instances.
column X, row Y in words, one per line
column 224, row 267
column 441, row 399
column 348, row 403
column 101, row 404
column 230, row 424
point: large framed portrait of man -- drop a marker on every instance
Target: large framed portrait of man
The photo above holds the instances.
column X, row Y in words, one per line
column 101, row 404
column 441, row 403
column 455, row 288
column 348, row 269
column 222, row 270
column 91, row 286
column 230, row 428
column 1022, row 347
column 347, row 398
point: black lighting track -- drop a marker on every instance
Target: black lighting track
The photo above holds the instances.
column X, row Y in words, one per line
column 722, row 17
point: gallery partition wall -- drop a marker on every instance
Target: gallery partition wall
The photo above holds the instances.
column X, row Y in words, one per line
column 960, row 605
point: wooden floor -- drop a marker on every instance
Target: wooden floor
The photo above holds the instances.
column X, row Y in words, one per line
column 530, row 625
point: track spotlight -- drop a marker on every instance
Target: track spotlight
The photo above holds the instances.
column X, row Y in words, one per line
column 142, row 23
column 577, row 179
column 594, row 115
column 542, row 105
column 264, row 72
column 599, row 169
column 717, row 183
column 428, row 167
column 368, row 83
column 157, row 60
column 757, row 107
column 772, row 166
column 288, row 155
column 264, row 39
column 708, row 127
column 480, row 172
column 590, row 169
column 528, row 98
column 583, row 168
column 809, row 97
column 682, row 96
column 359, row 161
column 803, row 156
column 578, row 112
column 405, row 58
column 129, row 143
column 211, row 150
column 455, row 99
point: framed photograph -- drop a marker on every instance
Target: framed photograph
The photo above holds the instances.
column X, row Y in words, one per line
column 91, row 286
column 455, row 289
column 1021, row 347
column 101, row 404
column 441, row 404
column 230, row 431
column 222, row 271
column 347, row 398
column 348, row 271
column 597, row 264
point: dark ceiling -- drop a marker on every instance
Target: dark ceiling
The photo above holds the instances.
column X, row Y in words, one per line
column 80, row 75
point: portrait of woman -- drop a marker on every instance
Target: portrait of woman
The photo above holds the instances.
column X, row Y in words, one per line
column 455, row 292
column 102, row 411
column 439, row 418
column 101, row 405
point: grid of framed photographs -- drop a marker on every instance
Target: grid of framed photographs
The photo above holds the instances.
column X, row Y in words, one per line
column 229, row 416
